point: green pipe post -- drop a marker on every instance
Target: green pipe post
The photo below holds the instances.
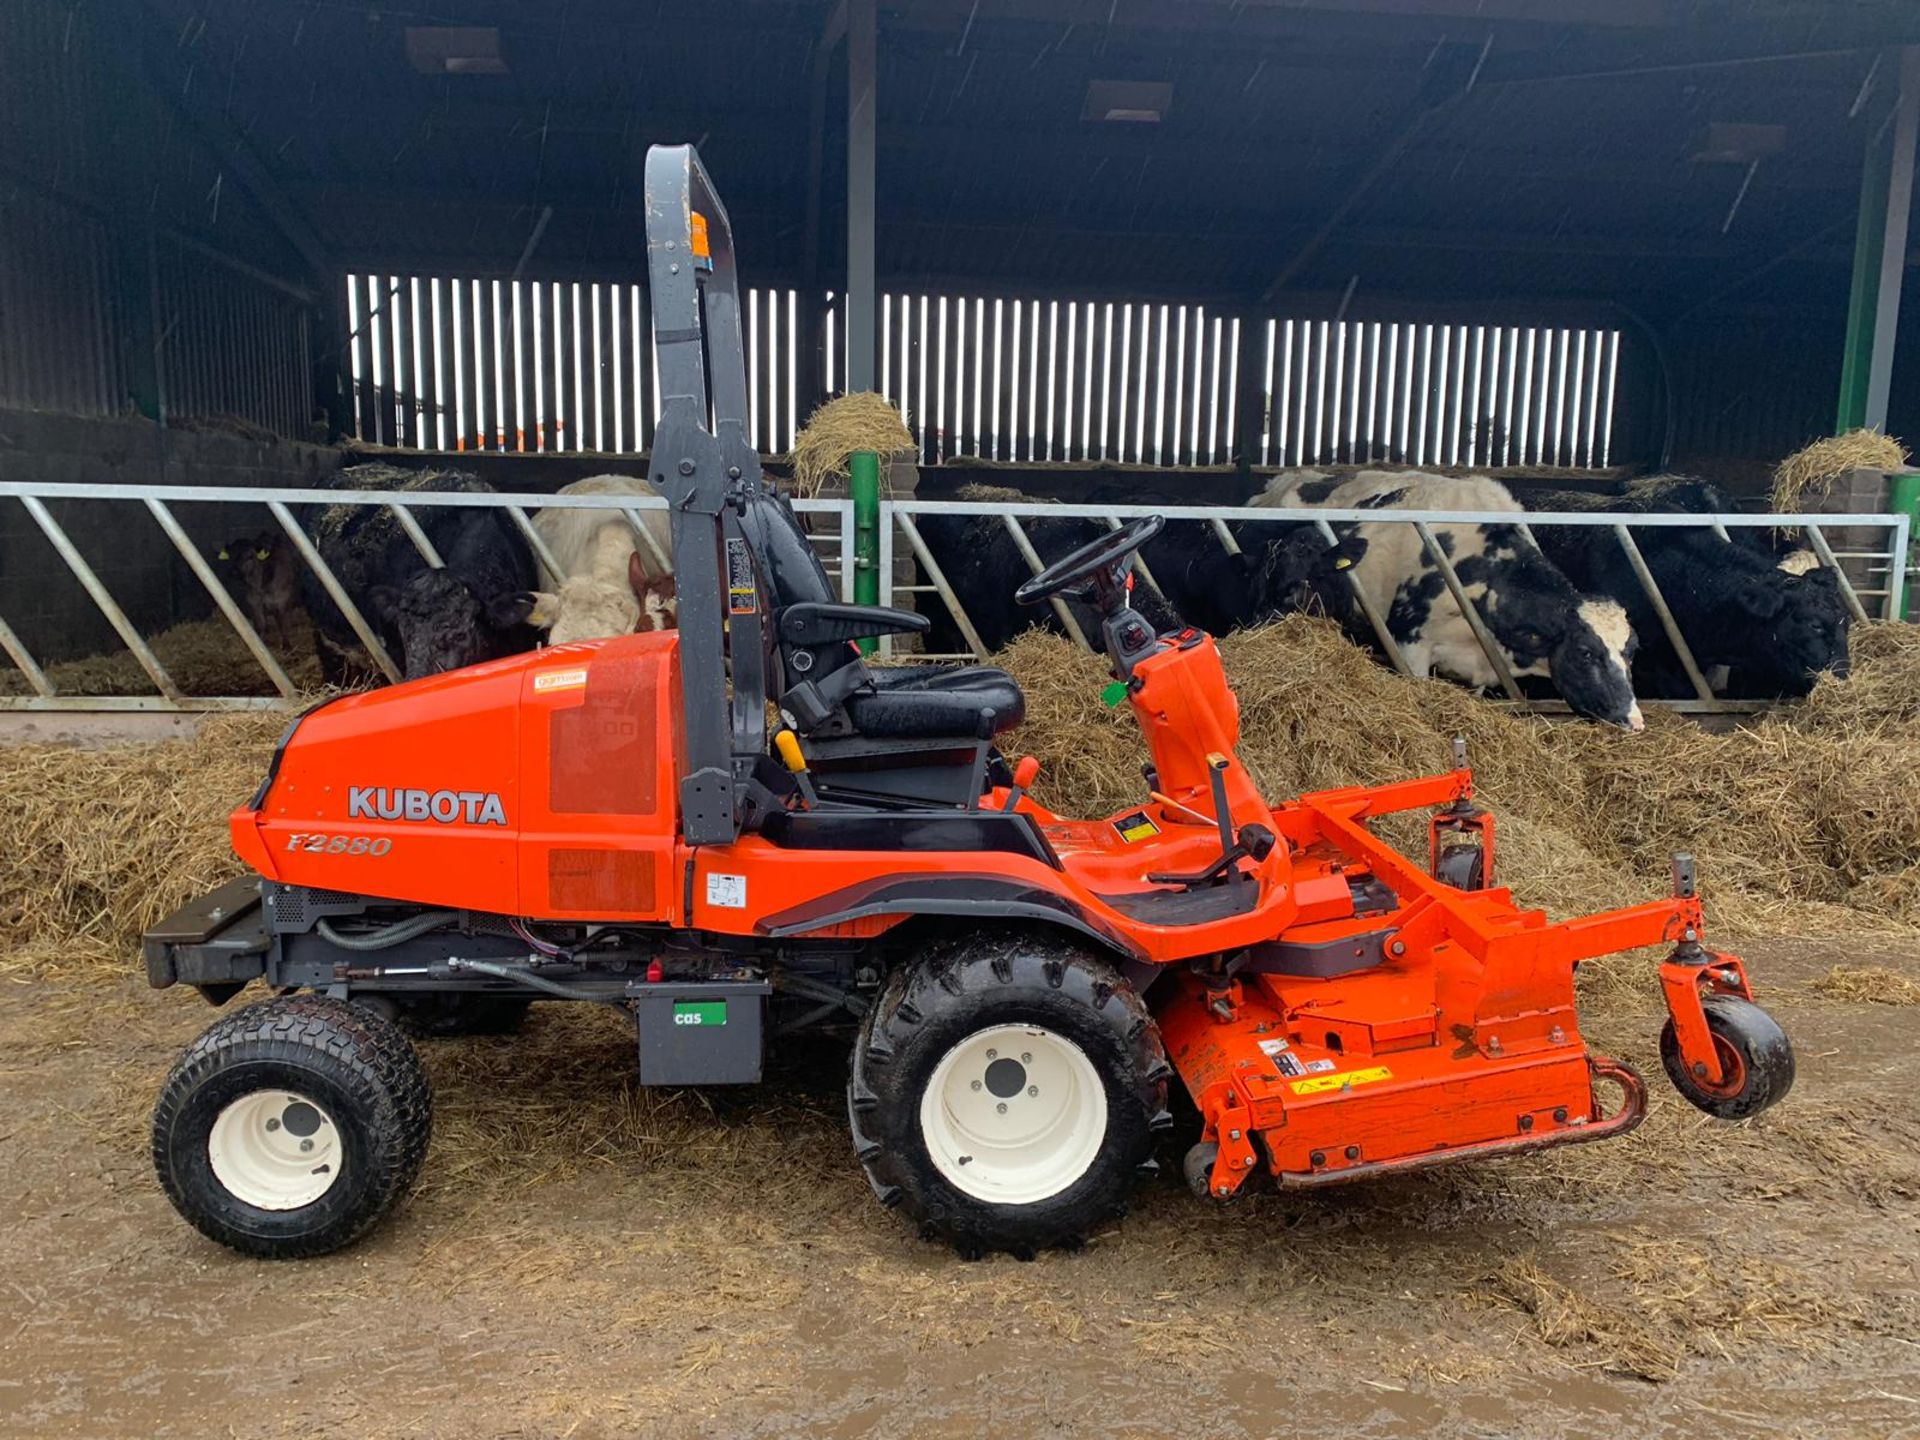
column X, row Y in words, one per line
column 863, row 483
column 1903, row 496
column 1869, row 239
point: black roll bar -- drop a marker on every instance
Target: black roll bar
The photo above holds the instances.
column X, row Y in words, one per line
column 705, row 465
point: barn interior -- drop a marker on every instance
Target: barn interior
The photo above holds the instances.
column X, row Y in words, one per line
column 1079, row 242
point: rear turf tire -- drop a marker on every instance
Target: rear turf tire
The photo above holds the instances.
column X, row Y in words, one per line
column 1756, row 1060
column 938, row 1055
column 289, row 1128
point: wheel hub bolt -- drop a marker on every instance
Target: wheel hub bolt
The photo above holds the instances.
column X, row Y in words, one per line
column 1001, row 1107
column 306, row 1145
column 1033, row 1090
column 273, row 1125
column 976, row 1084
column 993, row 1054
column 1026, row 1058
column 1700, row 1068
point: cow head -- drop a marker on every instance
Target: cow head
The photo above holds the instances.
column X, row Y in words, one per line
column 443, row 624
column 1588, row 651
column 658, row 595
column 1301, row 572
column 1800, row 623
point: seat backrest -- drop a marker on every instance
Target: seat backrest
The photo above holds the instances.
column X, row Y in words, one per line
column 793, row 570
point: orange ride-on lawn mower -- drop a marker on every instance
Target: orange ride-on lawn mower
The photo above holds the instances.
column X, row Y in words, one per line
column 612, row 821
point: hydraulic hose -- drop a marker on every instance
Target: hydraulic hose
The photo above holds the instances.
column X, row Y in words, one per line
column 522, row 977
column 393, row 935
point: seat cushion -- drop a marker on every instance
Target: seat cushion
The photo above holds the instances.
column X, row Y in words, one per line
column 974, row 702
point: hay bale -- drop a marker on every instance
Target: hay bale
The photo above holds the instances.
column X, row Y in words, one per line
column 1811, row 470
column 838, row 429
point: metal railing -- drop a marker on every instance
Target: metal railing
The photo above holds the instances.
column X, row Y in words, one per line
column 1879, row 598
column 161, row 503
column 1883, row 570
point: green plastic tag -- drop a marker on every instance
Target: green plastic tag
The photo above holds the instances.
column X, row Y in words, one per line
column 699, row 1012
column 1115, row 692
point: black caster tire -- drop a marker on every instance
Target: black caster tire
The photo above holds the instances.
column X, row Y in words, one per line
column 1463, row 867
column 1006, row 1093
column 447, row 1016
column 289, row 1128
column 1197, row 1168
column 1754, row 1052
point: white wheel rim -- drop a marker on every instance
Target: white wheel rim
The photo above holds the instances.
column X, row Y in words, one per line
column 1014, row 1114
column 275, row 1150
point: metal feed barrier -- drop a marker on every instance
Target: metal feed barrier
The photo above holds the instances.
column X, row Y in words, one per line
column 1884, row 569
column 160, row 502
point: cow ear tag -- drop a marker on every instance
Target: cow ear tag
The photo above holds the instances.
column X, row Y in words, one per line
column 1343, row 563
column 1114, row 693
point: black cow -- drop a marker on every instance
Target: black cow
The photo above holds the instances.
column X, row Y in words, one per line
column 430, row 620
column 1548, row 628
column 1776, row 621
column 1282, row 569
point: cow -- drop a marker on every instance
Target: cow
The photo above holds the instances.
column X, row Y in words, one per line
column 264, row 570
column 1774, row 619
column 608, row 583
column 473, row 608
column 1582, row 643
column 1196, row 581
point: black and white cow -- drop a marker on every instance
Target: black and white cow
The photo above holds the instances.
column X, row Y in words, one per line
column 1773, row 617
column 1281, row 569
column 474, row 608
column 1582, row 643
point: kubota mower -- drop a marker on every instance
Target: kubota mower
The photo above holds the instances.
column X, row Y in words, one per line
column 613, row 821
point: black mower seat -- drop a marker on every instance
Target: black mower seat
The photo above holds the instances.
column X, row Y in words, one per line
column 929, row 701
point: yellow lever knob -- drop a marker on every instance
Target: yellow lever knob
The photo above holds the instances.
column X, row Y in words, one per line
column 788, row 744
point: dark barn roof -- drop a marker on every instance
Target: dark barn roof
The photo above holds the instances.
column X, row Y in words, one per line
column 1654, row 153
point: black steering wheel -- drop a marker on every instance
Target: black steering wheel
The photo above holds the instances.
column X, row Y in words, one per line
column 1104, row 556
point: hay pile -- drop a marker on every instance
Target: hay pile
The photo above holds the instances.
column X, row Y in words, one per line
column 839, row 428
column 1807, row 821
column 106, row 842
column 204, row 657
column 1811, row 470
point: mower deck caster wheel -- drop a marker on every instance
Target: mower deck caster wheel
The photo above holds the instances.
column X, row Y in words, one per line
column 1756, row 1059
column 1198, row 1168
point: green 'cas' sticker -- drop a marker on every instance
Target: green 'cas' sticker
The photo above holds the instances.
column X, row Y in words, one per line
column 699, row 1012
column 1114, row 693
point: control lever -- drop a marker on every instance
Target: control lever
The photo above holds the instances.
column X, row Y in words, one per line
column 788, row 744
column 1255, row 843
column 1025, row 771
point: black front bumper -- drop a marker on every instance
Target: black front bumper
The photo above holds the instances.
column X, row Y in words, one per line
column 219, row 939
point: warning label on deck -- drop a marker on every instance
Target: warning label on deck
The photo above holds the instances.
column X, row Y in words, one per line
column 1137, row 826
column 1319, row 1084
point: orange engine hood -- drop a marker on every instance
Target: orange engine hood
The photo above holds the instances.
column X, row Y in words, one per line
column 540, row 784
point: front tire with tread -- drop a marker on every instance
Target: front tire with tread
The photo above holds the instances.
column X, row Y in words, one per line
column 357, row 1067
column 932, row 1008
